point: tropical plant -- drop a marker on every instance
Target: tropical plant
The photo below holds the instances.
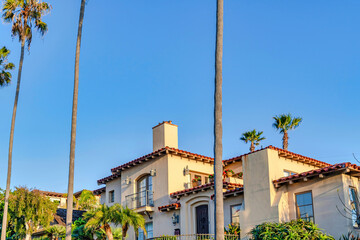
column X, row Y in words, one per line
column 87, row 200
column 296, row 229
column 24, row 15
column 102, row 217
column 29, row 211
column 350, row 236
column 218, row 148
column 129, row 218
column 232, row 229
column 196, row 179
column 5, row 66
column 55, row 232
column 69, row 209
column 285, row 123
column 253, row 137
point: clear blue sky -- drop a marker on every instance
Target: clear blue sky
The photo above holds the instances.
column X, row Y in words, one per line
column 144, row 61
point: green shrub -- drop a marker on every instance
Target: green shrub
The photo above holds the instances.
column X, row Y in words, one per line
column 232, row 229
column 350, row 236
column 297, row 230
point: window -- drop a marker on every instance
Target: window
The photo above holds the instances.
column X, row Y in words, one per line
column 354, row 202
column 145, row 191
column 235, row 214
column 304, row 206
column 149, row 231
column 111, row 196
column 288, row 173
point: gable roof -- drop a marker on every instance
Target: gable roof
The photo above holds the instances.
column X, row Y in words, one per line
column 50, row 194
column 321, row 172
column 285, row 154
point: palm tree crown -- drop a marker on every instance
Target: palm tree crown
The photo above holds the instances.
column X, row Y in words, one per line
column 131, row 218
column 254, row 137
column 5, row 66
column 24, row 15
column 284, row 123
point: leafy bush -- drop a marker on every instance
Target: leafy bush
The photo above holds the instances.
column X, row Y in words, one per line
column 232, row 229
column 297, row 229
column 350, row 236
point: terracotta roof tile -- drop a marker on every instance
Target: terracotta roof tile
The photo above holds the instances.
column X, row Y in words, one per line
column 99, row 191
column 202, row 188
column 171, row 206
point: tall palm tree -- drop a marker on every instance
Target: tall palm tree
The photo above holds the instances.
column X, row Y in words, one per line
column 253, row 137
column 218, row 167
column 129, row 218
column 5, row 66
column 69, row 210
column 284, row 123
column 102, row 217
column 24, row 15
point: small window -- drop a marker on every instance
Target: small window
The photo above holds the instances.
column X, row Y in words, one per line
column 304, row 206
column 235, row 214
column 149, row 232
column 111, row 196
column 354, row 202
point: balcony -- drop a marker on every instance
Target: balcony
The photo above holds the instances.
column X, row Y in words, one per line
column 141, row 201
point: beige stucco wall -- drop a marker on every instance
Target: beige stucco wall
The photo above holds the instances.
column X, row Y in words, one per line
column 114, row 185
column 165, row 135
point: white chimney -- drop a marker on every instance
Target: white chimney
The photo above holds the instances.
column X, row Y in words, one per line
column 165, row 134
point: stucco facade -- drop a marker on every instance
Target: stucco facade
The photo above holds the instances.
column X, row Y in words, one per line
column 159, row 186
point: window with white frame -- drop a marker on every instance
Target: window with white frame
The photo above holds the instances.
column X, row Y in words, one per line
column 304, row 206
column 354, row 202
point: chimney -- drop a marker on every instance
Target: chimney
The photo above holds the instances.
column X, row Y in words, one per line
column 165, row 134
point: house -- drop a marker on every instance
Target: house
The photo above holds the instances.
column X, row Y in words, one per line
column 270, row 184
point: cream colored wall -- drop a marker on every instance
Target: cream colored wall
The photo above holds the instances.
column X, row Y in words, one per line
column 236, row 167
column 165, row 135
column 116, row 186
column 103, row 198
column 177, row 180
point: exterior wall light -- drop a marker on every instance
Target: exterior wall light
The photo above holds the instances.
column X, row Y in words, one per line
column 127, row 181
column 153, row 172
column 175, row 218
column 186, row 170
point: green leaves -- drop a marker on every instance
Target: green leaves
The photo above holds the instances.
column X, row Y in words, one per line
column 296, row 229
column 24, row 15
column 5, row 67
column 285, row 122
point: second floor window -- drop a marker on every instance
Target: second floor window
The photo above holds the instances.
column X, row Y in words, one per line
column 111, row 196
column 354, row 201
column 304, row 206
column 145, row 191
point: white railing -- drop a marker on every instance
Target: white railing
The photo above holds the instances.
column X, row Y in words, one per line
column 195, row 237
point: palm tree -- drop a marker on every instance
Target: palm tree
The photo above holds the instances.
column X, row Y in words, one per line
column 5, row 66
column 284, row 123
column 254, row 137
column 218, row 167
column 87, row 200
column 100, row 218
column 69, row 210
column 23, row 15
column 129, row 218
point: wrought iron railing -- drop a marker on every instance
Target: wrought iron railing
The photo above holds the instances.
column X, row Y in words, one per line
column 140, row 199
column 195, row 237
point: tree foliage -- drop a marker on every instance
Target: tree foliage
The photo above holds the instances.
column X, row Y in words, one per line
column 253, row 137
column 56, row 232
column 297, row 229
column 29, row 210
column 5, row 67
column 284, row 123
column 87, row 200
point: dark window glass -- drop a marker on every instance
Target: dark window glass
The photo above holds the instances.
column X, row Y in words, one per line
column 354, row 201
column 304, row 206
column 111, row 196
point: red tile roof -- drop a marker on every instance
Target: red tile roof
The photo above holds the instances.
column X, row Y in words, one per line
column 283, row 153
column 172, row 206
column 309, row 174
column 108, row 178
column 201, row 188
column 50, row 194
column 99, row 191
column 232, row 192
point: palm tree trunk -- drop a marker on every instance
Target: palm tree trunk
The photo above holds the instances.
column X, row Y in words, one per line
column 218, row 167
column 69, row 210
column 285, row 140
column 124, row 231
column 252, row 147
column 11, row 141
column 108, row 232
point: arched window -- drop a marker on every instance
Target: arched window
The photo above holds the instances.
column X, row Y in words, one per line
column 145, row 191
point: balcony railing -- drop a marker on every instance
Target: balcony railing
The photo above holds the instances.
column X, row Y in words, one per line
column 140, row 199
column 195, row 237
